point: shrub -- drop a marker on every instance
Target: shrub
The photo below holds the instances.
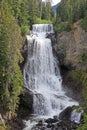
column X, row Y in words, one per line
column 42, row 21
column 84, row 57
column 2, row 127
column 83, row 126
column 63, row 27
column 24, row 30
column 84, row 22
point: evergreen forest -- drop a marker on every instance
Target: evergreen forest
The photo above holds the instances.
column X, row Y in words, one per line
column 16, row 20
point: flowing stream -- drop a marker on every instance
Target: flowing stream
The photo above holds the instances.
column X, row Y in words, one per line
column 42, row 75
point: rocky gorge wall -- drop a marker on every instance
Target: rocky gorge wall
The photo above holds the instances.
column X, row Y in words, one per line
column 70, row 47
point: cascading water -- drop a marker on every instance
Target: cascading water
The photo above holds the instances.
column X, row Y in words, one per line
column 76, row 116
column 42, row 76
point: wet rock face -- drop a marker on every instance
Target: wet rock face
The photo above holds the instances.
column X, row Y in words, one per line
column 24, row 52
column 16, row 124
column 65, row 114
column 70, row 46
column 26, row 103
column 52, row 37
column 24, row 49
column 27, row 49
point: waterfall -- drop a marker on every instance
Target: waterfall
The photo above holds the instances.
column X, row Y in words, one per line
column 76, row 116
column 42, row 75
column 42, row 30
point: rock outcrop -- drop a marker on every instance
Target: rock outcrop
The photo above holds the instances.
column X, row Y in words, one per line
column 26, row 104
column 27, row 49
column 65, row 114
column 24, row 52
column 70, row 47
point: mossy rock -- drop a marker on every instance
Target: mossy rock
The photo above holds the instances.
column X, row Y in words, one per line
column 2, row 128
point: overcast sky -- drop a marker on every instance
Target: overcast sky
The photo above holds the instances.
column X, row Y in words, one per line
column 54, row 2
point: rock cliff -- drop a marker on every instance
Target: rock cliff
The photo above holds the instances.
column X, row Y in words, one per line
column 70, row 47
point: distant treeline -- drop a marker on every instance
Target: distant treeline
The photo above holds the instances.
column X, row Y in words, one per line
column 72, row 10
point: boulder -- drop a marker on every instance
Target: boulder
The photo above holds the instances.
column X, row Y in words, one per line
column 40, row 123
column 65, row 114
column 50, row 120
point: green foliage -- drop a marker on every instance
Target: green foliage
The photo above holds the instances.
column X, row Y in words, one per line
column 11, row 79
column 80, row 76
column 71, row 10
column 16, row 17
column 20, row 10
column 46, row 11
column 24, row 30
column 63, row 27
column 70, row 13
column 2, row 127
column 63, row 49
column 84, row 58
column 84, row 22
column 28, row 12
column 42, row 21
column 83, row 125
column 4, row 44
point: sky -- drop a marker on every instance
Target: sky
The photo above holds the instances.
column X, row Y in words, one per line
column 54, row 2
